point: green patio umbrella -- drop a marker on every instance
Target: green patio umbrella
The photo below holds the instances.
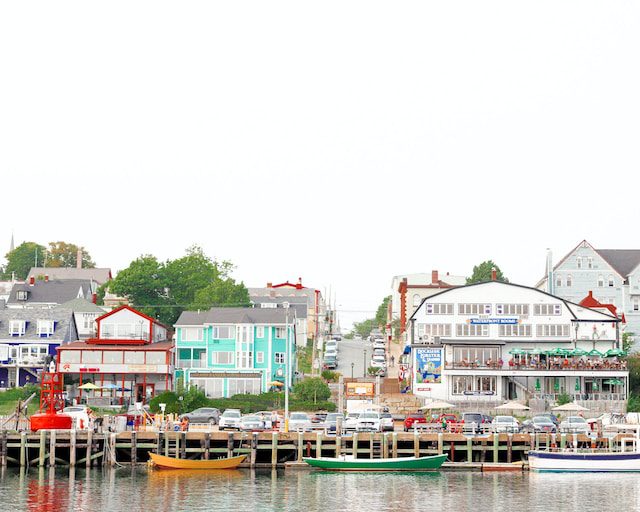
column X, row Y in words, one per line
column 614, row 382
column 556, row 385
column 594, row 353
column 615, row 352
column 537, row 384
column 577, row 386
column 595, row 386
column 577, row 352
column 536, row 352
column 517, row 352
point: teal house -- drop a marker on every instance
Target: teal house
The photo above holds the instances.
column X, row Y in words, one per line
column 230, row 351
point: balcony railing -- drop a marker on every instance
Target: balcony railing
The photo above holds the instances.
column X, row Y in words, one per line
column 190, row 363
column 580, row 397
column 601, row 366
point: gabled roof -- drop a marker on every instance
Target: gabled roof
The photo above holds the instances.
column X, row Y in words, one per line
column 591, row 302
column 61, row 316
column 236, row 316
column 623, row 261
column 135, row 311
column 82, row 306
column 99, row 275
column 51, row 292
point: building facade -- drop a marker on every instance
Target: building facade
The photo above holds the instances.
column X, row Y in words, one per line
column 229, row 351
column 494, row 341
column 130, row 359
column 612, row 275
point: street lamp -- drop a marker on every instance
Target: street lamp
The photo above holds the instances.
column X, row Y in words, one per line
column 364, row 363
column 352, row 365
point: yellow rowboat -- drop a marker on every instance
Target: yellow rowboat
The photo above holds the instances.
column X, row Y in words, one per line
column 162, row 462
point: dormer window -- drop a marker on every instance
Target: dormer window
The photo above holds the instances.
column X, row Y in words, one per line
column 17, row 327
column 579, row 262
column 45, row 328
column 22, row 295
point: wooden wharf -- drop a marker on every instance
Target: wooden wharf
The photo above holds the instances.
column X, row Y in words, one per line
column 77, row 448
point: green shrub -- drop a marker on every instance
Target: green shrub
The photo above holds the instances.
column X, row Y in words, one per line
column 312, row 389
column 330, row 376
column 563, row 398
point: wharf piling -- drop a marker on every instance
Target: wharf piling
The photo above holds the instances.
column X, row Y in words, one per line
column 75, row 448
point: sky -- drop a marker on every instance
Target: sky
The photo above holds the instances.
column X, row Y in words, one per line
column 340, row 142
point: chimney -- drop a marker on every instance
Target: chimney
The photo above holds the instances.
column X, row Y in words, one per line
column 494, row 274
column 32, row 280
column 94, row 298
column 79, row 259
column 434, row 277
column 269, row 285
column 46, row 278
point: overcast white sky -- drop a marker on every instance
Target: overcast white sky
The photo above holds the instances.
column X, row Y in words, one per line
column 343, row 142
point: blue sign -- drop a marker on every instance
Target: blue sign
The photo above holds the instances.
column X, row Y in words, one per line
column 428, row 365
column 483, row 321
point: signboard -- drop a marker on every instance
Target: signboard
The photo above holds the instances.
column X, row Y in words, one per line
column 114, row 368
column 484, row 321
column 428, row 367
column 360, row 389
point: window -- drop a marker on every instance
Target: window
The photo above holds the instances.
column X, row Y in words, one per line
column 192, row 334
column 469, row 385
column 474, row 309
column 589, row 262
column 552, row 330
column 244, row 386
column 635, row 303
column 259, row 357
column 512, row 330
column 600, row 281
column 416, row 300
column 611, row 283
column 280, row 332
column 279, row 357
column 223, row 332
column 260, row 331
column 17, row 327
column 91, row 356
column 472, row 330
column 579, row 262
column 33, row 353
column 471, row 355
column 434, row 330
column 222, row 357
column 213, row 388
column 89, row 321
column 134, row 357
column 547, row 309
column 156, row 357
column 512, row 309
column 268, row 305
column 245, row 333
column 569, row 280
column 558, row 281
column 45, row 327
column 113, row 357
column 439, row 309
column 70, row 356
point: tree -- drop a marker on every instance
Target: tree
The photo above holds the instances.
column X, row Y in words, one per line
column 381, row 313
column 627, row 341
column 482, row 273
column 365, row 327
column 62, row 254
column 222, row 292
column 313, row 389
column 22, row 258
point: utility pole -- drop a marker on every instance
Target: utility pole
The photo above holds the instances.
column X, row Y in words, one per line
column 287, row 374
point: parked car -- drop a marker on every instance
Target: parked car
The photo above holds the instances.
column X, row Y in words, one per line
column 209, row 415
column 378, row 362
column 539, row 424
column 331, row 422
column 251, row 422
column 336, row 337
column 357, row 337
column 330, row 363
column 473, row 422
column 552, row 417
column 368, row 421
column 574, row 425
column 319, row 417
column 268, row 417
column 350, row 421
column 386, row 422
column 506, row 424
column 379, row 344
column 448, row 417
column 299, row 421
column 379, row 352
column 332, row 344
column 79, row 415
column 230, row 419
column 412, row 419
column 330, row 352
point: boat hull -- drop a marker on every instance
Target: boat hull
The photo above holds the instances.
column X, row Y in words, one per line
column 584, row 462
column 431, row 463
column 163, row 462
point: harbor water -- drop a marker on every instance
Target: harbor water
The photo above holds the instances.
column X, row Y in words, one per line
column 127, row 489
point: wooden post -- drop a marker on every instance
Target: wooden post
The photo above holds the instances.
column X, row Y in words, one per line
column 254, row 449
column 274, row 449
column 42, row 447
column 338, row 446
column 563, row 441
column 319, row 444
column 371, row 445
column 72, row 448
column 105, row 448
column 161, row 436
column 23, row 450
column 470, row 449
column 207, row 444
column 230, row 445
column 440, row 443
column 416, row 444
column 134, row 447
column 385, row 446
column 3, row 449
column 509, row 447
column 90, row 447
column 394, row 445
column 183, row 446
column 112, row 445
column 300, row 445
column 496, row 447
column 355, row 445
column 166, row 444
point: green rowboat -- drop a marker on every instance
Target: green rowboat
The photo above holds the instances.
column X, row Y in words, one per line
column 347, row 463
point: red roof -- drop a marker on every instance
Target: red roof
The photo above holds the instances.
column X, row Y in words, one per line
column 591, row 302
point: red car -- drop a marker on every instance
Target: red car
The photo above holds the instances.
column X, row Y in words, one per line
column 413, row 418
column 449, row 418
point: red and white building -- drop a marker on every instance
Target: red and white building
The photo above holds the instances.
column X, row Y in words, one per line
column 130, row 359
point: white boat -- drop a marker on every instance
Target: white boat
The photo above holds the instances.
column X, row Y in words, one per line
column 626, row 460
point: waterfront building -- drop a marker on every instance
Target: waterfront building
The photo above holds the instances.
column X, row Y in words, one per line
column 130, row 359
column 613, row 275
column 229, row 351
column 98, row 275
column 299, row 308
column 409, row 290
column 47, row 293
column 494, row 341
column 29, row 339
column 85, row 313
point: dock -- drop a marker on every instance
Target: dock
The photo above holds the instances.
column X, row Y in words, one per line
column 77, row 448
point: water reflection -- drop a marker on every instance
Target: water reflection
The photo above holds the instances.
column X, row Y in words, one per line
column 126, row 489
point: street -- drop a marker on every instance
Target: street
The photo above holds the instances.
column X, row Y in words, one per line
column 350, row 351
